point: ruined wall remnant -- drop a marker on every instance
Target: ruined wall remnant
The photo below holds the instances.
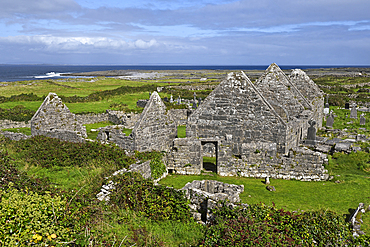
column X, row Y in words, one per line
column 155, row 130
column 185, row 156
column 91, row 118
column 54, row 119
column 115, row 135
column 262, row 160
column 206, row 195
column 121, row 118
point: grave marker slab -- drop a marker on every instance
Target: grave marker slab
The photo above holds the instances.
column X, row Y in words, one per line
column 330, row 121
column 353, row 112
column 362, row 119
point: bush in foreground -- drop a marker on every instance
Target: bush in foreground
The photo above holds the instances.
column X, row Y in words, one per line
column 261, row 225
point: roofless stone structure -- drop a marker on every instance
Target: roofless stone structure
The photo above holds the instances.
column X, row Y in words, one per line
column 155, row 130
column 256, row 129
column 53, row 119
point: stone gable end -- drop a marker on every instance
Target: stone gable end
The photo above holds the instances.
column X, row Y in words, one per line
column 281, row 93
column 53, row 116
column 154, row 130
column 237, row 109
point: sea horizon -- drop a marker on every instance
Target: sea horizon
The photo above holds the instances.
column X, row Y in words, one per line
column 25, row 72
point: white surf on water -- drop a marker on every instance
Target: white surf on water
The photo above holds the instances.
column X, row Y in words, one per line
column 48, row 75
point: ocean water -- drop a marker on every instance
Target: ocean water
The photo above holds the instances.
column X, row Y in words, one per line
column 40, row 72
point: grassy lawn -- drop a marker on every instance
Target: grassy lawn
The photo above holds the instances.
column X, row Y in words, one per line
column 26, row 131
column 181, row 131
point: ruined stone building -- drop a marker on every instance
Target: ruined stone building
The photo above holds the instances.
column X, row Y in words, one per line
column 53, row 119
column 155, row 129
column 256, row 128
column 253, row 129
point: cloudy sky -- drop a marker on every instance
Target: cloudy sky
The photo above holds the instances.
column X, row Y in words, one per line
column 194, row 32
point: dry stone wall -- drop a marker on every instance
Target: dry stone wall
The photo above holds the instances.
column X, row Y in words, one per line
column 14, row 136
column 92, row 118
column 9, row 124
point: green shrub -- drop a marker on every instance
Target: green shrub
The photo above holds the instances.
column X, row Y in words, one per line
column 28, row 218
column 20, row 180
column 261, row 225
column 156, row 202
column 17, row 113
column 48, row 152
column 21, row 97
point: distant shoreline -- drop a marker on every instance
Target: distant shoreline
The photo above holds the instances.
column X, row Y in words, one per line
column 341, row 71
column 40, row 72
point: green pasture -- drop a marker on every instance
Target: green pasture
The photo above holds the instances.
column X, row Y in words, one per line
column 67, row 87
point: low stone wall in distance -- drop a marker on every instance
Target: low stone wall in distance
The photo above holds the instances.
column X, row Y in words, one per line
column 92, row 118
column 14, row 136
column 9, row 124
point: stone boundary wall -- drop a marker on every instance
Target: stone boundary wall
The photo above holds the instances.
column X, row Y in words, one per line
column 9, row 124
column 92, row 118
column 14, row 136
column 64, row 135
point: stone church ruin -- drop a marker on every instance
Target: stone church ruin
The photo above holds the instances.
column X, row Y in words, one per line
column 256, row 128
column 251, row 129
column 53, row 119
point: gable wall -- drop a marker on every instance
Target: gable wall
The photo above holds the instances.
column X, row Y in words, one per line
column 54, row 115
column 154, row 130
column 234, row 108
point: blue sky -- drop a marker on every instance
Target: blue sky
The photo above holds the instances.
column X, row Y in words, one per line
column 195, row 32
